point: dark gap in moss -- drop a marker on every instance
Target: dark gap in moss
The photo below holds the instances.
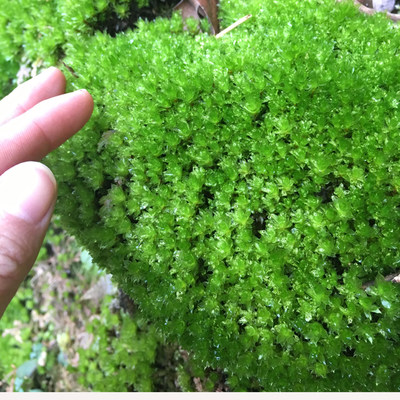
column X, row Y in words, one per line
column 279, row 348
column 99, row 194
column 344, row 183
column 208, row 196
column 59, row 53
column 126, row 303
column 57, row 230
column 349, row 134
column 168, row 358
column 259, row 223
column 132, row 219
column 348, row 352
column 288, row 270
column 203, row 272
column 328, row 189
column 336, row 264
column 188, row 168
column 104, row 189
column 241, row 327
column 69, row 272
column 221, row 382
column 325, row 326
column 326, row 193
column 120, row 239
column 112, row 333
column 375, row 317
column 371, row 222
column 246, row 155
column 260, row 116
column 335, row 292
column 49, row 249
column 110, row 22
column 37, row 381
column 130, row 389
column 352, row 224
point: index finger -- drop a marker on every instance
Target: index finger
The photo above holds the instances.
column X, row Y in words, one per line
column 44, row 127
column 49, row 83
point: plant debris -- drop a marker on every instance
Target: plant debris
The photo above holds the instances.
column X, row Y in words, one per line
column 200, row 9
column 233, row 26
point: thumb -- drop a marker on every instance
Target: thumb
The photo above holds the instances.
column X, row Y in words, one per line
column 27, row 196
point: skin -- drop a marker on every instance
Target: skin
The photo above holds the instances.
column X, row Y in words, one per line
column 35, row 119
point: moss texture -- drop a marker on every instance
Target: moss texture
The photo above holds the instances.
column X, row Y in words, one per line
column 243, row 190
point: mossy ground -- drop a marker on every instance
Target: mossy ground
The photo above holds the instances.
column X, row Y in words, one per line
column 242, row 191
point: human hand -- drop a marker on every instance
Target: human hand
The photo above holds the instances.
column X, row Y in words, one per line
column 35, row 119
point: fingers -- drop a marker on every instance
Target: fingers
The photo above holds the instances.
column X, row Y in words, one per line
column 27, row 197
column 43, row 128
column 48, row 84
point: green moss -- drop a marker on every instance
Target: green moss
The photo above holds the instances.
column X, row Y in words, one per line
column 14, row 335
column 242, row 190
column 122, row 355
column 36, row 33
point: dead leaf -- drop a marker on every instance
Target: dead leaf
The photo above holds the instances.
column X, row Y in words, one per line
column 103, row 287
column 200, row 9
column 85, row 340
column 198, row 384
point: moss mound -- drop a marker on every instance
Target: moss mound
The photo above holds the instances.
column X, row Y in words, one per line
column 244, row 190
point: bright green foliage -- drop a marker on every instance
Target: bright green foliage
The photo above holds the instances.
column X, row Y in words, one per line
column 8, row 73
column 14, row 332
column 120, row 350
column 242, row 190
column 40, row 28
column 121, row 357
column 36, row 31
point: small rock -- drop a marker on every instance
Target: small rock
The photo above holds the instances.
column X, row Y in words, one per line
column 383, row 5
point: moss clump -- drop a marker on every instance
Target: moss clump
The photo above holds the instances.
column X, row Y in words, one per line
column 121, row 358
column 36, row 32
column 242, row 190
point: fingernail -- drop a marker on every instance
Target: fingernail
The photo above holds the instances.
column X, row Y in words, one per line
column 83, row 91
column 47, row 71
column 27, row 191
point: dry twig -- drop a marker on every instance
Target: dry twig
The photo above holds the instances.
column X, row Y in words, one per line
column 233, row 26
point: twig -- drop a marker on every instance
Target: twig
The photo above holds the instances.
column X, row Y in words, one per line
column 233, row 26
column 395, row 278
column 70, row 69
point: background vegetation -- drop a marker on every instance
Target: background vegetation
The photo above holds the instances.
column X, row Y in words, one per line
column 70, row 329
